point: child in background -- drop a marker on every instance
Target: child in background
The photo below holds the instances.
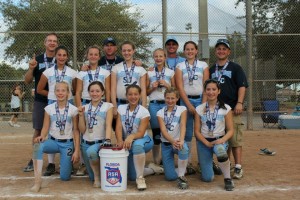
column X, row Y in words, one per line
column 16, row 97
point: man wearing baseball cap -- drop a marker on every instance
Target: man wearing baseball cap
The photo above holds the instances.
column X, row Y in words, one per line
column 233, row 83
column 173, row 59
column 110, row 50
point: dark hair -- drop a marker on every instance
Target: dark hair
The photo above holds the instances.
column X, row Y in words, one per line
column 221, row 102
column 128, row 42
column 61, row 47
column 190, row 42
column 171, row 90
column 133, row 86
column 96, row 83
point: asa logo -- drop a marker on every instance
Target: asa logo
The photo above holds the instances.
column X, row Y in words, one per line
column 113, row 175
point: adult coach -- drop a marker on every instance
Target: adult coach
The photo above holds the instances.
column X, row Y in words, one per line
column 110, row 58
column 37, row 65
column 173, row 58
column 233, row 83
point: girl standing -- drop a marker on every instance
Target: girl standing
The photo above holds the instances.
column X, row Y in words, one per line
column 60, row 121
column 131, row 133
column 190, row 76
column 16, row 97
column 172, row 121
column 94, row 73
column 125, row 74
column 60, row 72
column 213, row 129
column 159, row 79
column 95, row 120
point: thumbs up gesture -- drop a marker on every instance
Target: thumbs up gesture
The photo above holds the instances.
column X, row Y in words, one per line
column 32, row 62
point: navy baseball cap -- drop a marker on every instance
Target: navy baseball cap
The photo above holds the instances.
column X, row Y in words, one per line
column 171, row 38
column 109, row 40
column 223, row 41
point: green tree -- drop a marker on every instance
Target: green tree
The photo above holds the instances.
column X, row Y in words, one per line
column 279, row 17
column 112, row 17
column 10, row 73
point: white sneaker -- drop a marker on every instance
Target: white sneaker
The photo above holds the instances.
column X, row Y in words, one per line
column 156, row 168
column 17, row 125
column 238, row 173
column 11, row 124
column 141, row 183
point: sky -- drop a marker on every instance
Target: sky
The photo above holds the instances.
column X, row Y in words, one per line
column 222, row 19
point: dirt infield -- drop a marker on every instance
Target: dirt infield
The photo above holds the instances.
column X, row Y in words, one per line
column 265, row 177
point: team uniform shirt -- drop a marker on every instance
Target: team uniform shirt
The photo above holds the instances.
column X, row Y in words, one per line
column 54, row 127
column 232, row 78
column 15, row 101
column 109, row 63
column 42, row 65
column 174, row 130
column 219, row 129
column 141, row 114
column 121, row 78
column 173, row 62
column 197, row 87
column 85, row 78
column 68, row 77
column 99, row 130
column 168, row 75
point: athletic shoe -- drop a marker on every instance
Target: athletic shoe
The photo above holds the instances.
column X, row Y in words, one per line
column 228, row 184
column 182, row 183
column 81, row 171
column 50, row 169
column 141, row 183
column 17, row 125
column 29, row 167
column 217, row 169
column 190, row 169
column 156, row 168
column 238, row 173
column 267, row 152
column 11, row 124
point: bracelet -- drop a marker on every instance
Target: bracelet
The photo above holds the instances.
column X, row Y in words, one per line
column 240, row 102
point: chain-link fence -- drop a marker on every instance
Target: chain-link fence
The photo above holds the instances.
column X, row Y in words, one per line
column 80, row 23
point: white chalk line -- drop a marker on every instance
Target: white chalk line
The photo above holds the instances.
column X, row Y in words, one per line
column 190, row 192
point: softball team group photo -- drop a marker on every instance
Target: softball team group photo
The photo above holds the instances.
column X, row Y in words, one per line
column 115, row 101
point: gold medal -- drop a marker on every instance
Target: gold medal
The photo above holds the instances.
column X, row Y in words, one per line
column 190, row 82
column 210, row 133
column 62, row 132
column 90, row 130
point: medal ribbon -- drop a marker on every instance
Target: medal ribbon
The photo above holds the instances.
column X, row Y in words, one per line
column 129, row 120
column 51, row 64
column 109, row 66
column 128, row 74
column 62, row 119
column 91, row 79
column 211, row 117
column 191, row 72
column 92, row 117
column 173, row 67
column 218, row 73
column 169, row 120
column 59, row 78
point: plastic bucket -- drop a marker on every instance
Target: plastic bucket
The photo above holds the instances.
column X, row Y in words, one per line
column 113, row 167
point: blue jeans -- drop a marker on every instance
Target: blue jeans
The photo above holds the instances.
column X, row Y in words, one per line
column 168, row 159
column 205, row 158
column 190, row 118
column 90, row 152
column 142, row 145
column 65, row 149
column 153, row 109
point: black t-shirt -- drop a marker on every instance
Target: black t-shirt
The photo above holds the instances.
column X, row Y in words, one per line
column 232, row 79
column 37, row 73
column 103, row 62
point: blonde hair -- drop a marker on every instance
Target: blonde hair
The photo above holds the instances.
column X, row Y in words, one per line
column 63, row 83
column 171, row 90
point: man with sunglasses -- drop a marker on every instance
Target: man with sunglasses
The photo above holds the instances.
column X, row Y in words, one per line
column 233, row 83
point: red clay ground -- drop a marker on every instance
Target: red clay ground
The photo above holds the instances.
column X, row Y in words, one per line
column 265, row 177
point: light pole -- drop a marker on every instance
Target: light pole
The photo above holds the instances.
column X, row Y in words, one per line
column 188, row 27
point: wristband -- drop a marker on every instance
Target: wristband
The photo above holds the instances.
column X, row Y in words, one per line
column 240, row 102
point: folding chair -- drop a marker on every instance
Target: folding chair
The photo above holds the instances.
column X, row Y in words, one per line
column 269, row 115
